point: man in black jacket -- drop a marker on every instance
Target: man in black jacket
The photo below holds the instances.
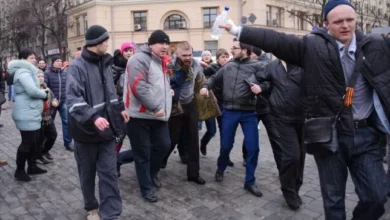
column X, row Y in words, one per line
column 95, row 116
column 55, row 79
column 288, row 106
column 239, row 102
column 263, row 110
column 328, row 57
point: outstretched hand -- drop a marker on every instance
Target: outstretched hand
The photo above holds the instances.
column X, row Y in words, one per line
column 230, row 27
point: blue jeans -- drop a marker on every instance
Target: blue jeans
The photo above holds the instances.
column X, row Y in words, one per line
column 64, row 121
column 248, row 122
column 211, row 126
column 362, row 156
column 11, row 92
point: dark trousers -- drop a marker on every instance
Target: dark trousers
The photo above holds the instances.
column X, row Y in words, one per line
column 30, row 141
column 47, row 137
column 182, row 146
column 28, row 149
column 100, row 158
column 388, row 163
column 150, row 143
column 125, row 157
column 292, row 158
column 231, row 119
column 362, row 156
column 211, row 126
column 188, row 120
column 269, row 124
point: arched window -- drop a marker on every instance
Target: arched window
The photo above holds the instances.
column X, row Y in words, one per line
column 175, row 21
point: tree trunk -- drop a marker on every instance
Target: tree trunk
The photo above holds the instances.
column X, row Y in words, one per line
column 42, row 40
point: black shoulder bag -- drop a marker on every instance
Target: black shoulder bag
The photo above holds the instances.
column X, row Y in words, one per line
column 320, row 134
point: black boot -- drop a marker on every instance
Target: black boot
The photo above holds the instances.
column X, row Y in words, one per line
column 20, row 173
column 33, row 169
column 203, row 148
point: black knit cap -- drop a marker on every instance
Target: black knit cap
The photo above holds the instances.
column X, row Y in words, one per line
column 95, row 35
column 158, row 36
column 55, row 58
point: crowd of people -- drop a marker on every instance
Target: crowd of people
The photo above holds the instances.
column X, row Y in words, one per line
column 326, row 94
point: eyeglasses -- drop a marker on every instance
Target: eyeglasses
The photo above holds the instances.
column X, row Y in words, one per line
column 235, row 48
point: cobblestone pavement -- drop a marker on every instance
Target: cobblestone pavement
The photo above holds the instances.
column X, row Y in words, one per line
column 57, row 194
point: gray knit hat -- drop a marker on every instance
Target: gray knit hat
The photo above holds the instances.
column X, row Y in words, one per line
column 95, row 35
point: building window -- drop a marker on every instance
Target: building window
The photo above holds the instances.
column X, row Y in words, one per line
column 268, row 14
column 316, row 19
column 209, row 15
column 274, row 16
column 212, row 46
column 301, row 23
column 175, row 21
column 140, row 21
column 85, row 18
column 78, row 26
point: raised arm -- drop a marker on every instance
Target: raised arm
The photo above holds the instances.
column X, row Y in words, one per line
column 286, row 47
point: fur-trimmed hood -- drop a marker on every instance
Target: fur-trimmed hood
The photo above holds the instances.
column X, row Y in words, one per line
column 15, row 65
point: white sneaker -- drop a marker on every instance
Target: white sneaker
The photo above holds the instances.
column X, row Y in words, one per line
column 93, row 215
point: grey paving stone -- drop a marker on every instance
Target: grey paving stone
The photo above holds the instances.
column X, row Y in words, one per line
column 57, row 194
column 8, row 217
column 26, row 217
column 19, row 211
column 299, row 216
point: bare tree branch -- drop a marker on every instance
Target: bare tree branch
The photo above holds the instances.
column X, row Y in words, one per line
column 313, row 13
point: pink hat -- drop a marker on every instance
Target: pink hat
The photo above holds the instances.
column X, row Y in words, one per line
column 126, row 45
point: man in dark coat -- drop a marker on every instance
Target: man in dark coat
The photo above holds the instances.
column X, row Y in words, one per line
column 329, row 57
column 95, row 118
column 55, row 79
column 288, row 110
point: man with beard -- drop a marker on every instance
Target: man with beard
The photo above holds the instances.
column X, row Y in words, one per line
column 238, row 79
column 187, row 71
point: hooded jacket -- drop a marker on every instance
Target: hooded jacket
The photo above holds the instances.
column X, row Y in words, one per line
column 324, row 83
column 147, row 87
column 28, row 107
column 86, row 101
